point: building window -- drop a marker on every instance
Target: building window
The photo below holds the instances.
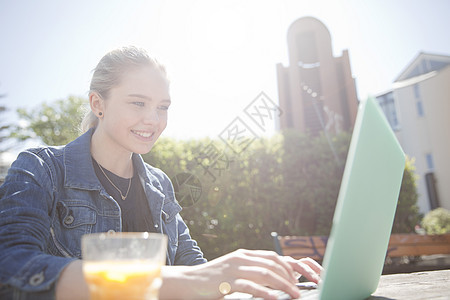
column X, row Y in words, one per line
column 417, row 91
column 394, row 120
column 387, row 104
column 393, row 113
column 419, row 106
column 430, row 163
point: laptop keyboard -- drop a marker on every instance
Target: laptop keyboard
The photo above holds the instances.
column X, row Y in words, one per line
column 304, row 294
column 309, row 294
column 308, row 290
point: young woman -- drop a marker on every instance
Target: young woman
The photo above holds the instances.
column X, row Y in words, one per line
column 99, row 183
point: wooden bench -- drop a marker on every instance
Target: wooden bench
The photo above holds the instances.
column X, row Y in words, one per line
column 400, row 245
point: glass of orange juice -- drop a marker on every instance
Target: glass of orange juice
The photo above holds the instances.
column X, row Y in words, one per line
column 123, row 265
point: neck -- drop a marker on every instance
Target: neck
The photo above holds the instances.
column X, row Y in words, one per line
column 117, row 161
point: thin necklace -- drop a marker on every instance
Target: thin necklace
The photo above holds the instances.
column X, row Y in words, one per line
column 110, row 181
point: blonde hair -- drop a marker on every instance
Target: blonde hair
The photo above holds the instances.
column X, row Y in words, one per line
column 108, row 73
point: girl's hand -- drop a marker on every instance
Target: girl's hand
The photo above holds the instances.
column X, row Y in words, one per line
column 256, row 272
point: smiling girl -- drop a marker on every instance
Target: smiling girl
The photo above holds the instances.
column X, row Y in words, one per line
column 100, row 183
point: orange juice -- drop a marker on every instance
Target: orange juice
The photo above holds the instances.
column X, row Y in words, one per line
column 122, row 279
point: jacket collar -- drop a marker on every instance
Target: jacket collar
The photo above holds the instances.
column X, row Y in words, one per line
column 158, row 202
column 79, row 171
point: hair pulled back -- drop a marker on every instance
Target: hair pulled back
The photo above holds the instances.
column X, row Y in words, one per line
column 108, row 74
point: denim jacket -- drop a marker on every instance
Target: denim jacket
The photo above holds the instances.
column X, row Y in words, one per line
column 51, row 197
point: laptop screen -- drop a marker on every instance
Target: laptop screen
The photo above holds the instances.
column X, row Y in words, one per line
column 365, row 209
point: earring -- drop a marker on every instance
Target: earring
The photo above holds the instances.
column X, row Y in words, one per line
column 100, row 114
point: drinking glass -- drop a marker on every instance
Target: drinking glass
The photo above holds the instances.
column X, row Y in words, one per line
column 123, row 265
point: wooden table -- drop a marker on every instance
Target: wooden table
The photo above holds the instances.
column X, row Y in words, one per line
column 430, row 285
column 421, row 285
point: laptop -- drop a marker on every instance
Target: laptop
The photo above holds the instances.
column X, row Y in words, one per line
column 365, row 209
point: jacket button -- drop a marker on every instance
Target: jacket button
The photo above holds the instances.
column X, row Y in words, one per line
column 37, row 279
column 69, row 220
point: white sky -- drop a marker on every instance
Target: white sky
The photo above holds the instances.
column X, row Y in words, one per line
column 219, row 54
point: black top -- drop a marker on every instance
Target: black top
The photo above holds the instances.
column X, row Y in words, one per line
column 136, row 216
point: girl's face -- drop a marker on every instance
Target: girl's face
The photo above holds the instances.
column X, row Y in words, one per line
column 135, row 113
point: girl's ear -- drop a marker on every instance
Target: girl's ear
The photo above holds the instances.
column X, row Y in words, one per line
column 97, row 104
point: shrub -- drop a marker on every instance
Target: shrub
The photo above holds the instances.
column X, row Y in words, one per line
column 288, row 183
column 437, row 221
column 407, row 215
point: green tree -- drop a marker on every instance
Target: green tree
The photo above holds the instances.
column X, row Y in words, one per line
column 407, row 215
column 56, row 123
column 287, row 183
column 4, row 128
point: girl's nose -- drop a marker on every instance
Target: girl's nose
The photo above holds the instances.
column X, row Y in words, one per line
column 151, row 116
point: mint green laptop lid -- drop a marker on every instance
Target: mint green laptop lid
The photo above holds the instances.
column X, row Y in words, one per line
column 365, row 209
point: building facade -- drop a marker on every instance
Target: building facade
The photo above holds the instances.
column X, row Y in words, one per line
column 418, row 109
column 316, row 90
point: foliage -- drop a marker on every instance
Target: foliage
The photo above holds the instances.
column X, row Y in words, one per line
column 288, row 183
column 407, row 215
column 437, row 221
column 56, row 123
column 3, row 128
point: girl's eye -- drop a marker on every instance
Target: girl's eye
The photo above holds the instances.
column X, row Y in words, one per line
column 164, row 107
column 138, row 103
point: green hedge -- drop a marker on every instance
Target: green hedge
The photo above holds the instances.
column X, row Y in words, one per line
column 437, row 221
column 287, row 183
